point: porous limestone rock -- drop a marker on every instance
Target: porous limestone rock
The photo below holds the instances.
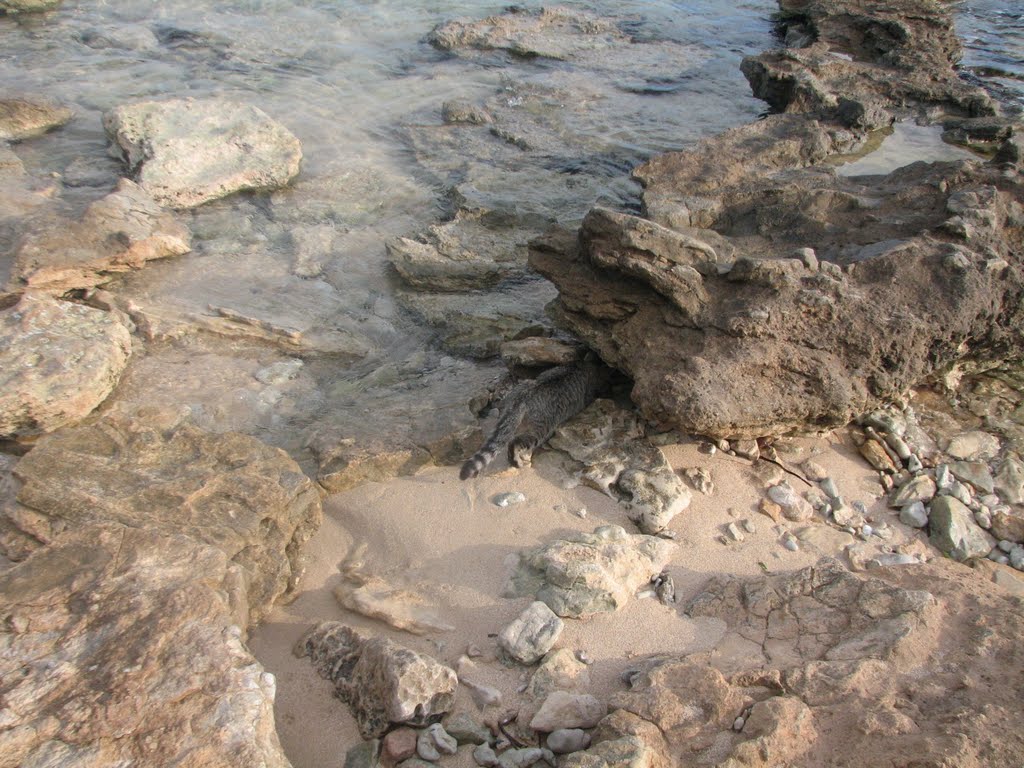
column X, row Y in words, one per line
column 117, row 233
column 562, row 709
column 590, row 572
column 58, row 361
column 228, row 490
column 186, row 152
column 121, row 647
column 381, row 681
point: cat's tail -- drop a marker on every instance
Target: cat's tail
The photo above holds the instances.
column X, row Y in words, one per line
column 504, row 431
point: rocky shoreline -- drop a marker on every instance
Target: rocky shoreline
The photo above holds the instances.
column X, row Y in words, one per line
column 759, row 293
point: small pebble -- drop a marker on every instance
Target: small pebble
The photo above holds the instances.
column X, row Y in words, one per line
column 828, row 485
column 580, row 512
column 866, row 531
column 484, row 756
column 789, row 542
column 914, row 463
column 1017, row 557
column 508, row 499
column 748, row 526
column 1006, row 546
column 567, row 740
column 983, row 518
column 738, row 723
column 734, row 533
column 583, row 657
column 998, row 557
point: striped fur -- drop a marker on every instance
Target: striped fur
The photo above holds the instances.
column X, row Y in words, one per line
column 541, row 405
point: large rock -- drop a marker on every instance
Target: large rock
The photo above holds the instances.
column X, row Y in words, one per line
column 118, row 233
column 910, row 273
column 230, row 491
column 590, row 572
column 607, row 442
column 381, row 681
column 58, row 361
column 24, row 118
column 121, row 647
column 532, row 634
column 187, row 152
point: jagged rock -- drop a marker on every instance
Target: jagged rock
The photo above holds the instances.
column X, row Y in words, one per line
column 921, row 488
column 1008, row 526
column 973, row 445
column 399, row 745
column 589, row 572
column 186, row 152
column 381, row 681
column 974, row 472
column 566, row 740
column 607, row 441
column 23, row 118
column 535, row 351
column 121, row 647
column 559, row 671
column 532, row 634
column 400, row 608
column 58, row 361
column 118, row 233
column 433, row 742
column 954, row 531
column 465, row 730
column 229, row 490
column 781, row 730
column 1009, row 482
column 624, row 752
column 562, row 709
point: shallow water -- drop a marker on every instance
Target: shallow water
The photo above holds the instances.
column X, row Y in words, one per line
column 993, row 38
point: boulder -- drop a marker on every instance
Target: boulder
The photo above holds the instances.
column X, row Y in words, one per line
column 228, row 490
column 117, row 234
column 24, row 118
column 186, row 152
column 381, row 681
column 590, row 572
column 122, row 647
column 58, row 361
column 954, row 531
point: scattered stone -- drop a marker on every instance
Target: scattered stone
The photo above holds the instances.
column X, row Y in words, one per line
column 562, row 709
column 847, row 515
column 566, row 740
column 365, row 754
column 700, row 480
column 794, row 507
column 1009, row 481
column 484, row 756
column 382, row 682
column 789, row 542
column 921, row 488
column 770, row 509
column 876, row 455
column 748, row 526
column 232, row 491
column 433, row 742
column 747, row 449
column 589, row 572
column 399, row 745
column 525, row 757
column 914, row 514
column 186, row 152
column 531, row 635
column 973, row 446
column 734, row 533
column 954, row 531
column 1008, row 526
column 118, row 233
column 465, row 730
column 914, row 464
column 664, row 588
column 814, row 471
column 983, row 517
column 58, row 361
column 828, row 485
column 889, row 559
column 1017, row 557
column 974, row 472
column 22, row 119
column 508, row 499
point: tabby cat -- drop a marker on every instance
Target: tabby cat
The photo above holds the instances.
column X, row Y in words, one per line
column 540, row 405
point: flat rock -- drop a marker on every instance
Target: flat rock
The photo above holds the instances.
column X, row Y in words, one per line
column 537, row 351
column 119, row 233
column 121, row 648
column 24, row 118
column 186, row 152
column 607, row 441
column 562, row 709
column 954, row 531
column 590, row 572
column 58, row 361
column 973, row 445
column 228, row 490
column 381, row 681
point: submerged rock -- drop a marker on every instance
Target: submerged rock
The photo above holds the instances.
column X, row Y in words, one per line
column 120, row 648
column 58, row 361
column 381, row 681
column 590, row 572
column 228, row 490
column 23, row 118
column 118, row 233
column 187, row 152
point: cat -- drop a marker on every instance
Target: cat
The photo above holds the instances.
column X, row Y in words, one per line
column 541, row 405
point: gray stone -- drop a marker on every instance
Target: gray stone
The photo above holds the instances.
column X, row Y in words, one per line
column 1017, row 557
column 828, row 485
column 1009, row 482
column 899, row 445
column 366, row 754
column 914, row 514
column 532, row 634
column 525, row 757
column 748, row 449
column 974, row 472
column 465, row 730
column 889, row 559
column 847, row 515
column 1007, row 525
column 590, row 572
column 700, row 480
column 433, row 742
column 58, row 361
column 484, row 756
column 381, row 681
column 973, row 445
column 186, row 152
column 562, row 709
column 23, row 118
column 508, row 499
column 566, row 740
column 954, row 531
column 794, row 507
column 921, row 488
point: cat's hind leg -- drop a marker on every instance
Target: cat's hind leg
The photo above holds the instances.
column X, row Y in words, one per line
column 520, row 450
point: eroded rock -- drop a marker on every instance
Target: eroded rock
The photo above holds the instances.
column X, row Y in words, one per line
column 186, row 152
column 381, row 681
column 24, row 118
column 532, row 634
column 58, row 361
column 590, row 572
